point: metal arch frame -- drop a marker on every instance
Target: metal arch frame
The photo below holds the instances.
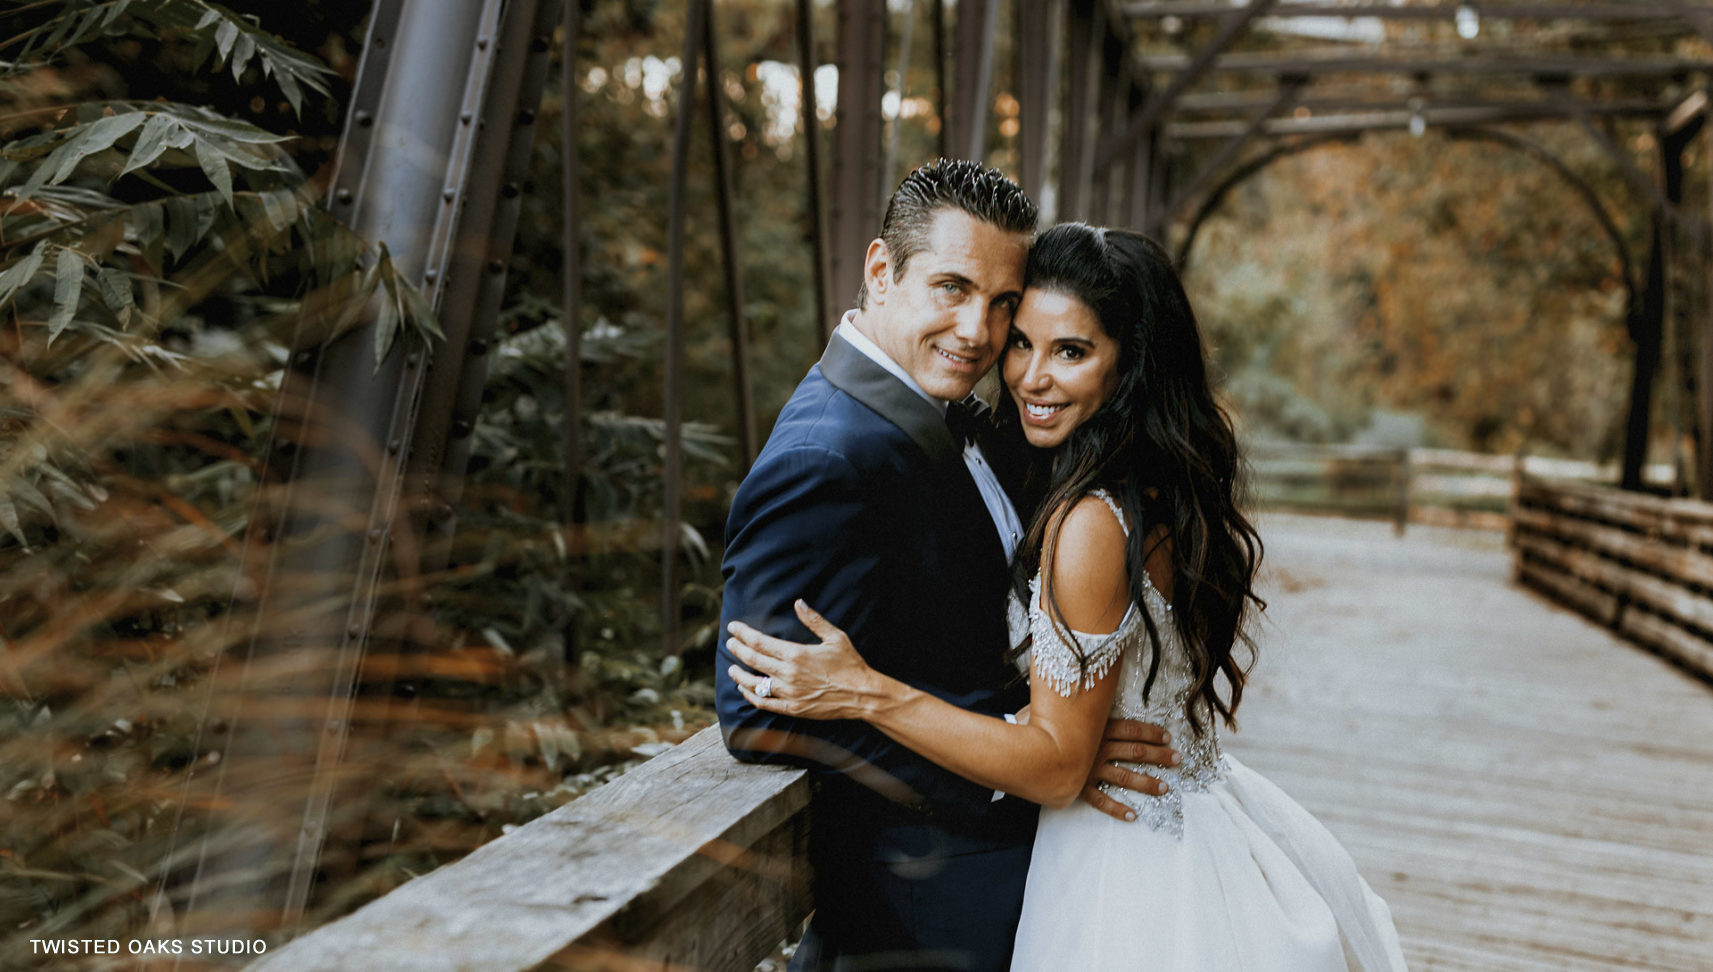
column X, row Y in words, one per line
column 1253, row 167
column 1465, row 117
column 1644, row 305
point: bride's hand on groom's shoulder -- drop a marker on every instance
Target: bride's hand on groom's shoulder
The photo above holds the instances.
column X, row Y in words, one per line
column 822, row 680
column 1127, row 741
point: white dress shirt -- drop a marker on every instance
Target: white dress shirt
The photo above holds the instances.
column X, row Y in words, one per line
column 998, row 504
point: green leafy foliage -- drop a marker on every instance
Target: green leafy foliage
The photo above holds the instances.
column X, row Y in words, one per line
column 158, row 260
column 235, row 41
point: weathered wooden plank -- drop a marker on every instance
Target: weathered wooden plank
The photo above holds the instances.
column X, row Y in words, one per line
column 1684, row 647
column 1600, row 606
column 690, row 833
column 1688, row 522
column 1525, row 790
column 1676, row 564
column 1681, row 605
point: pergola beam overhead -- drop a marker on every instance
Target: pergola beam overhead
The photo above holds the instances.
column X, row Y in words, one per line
column 1190, row 9
column 1488, row 63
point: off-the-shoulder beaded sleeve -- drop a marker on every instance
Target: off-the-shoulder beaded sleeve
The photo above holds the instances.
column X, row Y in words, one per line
column 1070, row 660
column 1074, row 660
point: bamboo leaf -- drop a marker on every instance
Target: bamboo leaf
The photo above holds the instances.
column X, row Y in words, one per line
column 289, row 87
column 241, row 54
column 391, row 315
column 224, row 37
column 386, row 327
column 22, row 272
column 68, row 290
column 214, row 167
column 115, row 290
column 155, row 139
column 115, row 10
column 26, row 493
column 181, row 225
column 148, row 223
column 420, row 315
column 231, row 128
column 96, row 137
column 9, row 517
column 280, row 206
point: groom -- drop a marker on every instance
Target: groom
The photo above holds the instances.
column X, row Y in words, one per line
column 871, row 502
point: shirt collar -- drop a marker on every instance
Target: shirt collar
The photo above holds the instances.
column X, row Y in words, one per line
column 847, row 329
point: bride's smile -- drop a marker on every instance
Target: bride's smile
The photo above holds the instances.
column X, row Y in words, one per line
column 1060, row 365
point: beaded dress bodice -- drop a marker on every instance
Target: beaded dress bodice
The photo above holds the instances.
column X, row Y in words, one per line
column 1051, row 659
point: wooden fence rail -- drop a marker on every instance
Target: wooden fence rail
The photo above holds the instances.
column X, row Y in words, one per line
column 692, row 860
column 1641, row 565
column 1422, row 485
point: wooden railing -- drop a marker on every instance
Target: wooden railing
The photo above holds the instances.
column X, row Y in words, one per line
column 691, row 861
column 1639, row 564
column 1405, row 485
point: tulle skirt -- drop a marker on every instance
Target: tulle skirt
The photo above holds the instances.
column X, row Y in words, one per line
column 1254, row 884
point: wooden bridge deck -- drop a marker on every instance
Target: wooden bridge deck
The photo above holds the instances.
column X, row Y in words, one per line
column 1527, row 791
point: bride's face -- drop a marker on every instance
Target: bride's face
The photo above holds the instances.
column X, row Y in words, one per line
column 1059, row 366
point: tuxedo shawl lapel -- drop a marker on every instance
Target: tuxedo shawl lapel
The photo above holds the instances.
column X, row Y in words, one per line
column 855, row 374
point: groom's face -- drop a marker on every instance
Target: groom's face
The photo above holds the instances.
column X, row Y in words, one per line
column 945, row 318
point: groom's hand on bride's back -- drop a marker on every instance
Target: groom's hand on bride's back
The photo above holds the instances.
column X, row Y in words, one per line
column 1127, row 741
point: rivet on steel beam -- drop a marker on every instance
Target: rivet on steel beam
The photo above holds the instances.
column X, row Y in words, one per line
column 449, row 193
column 410, row 361
column 355, row 631
column 364, row 119
column 481, row 43
column 510, row 190
column 496, row 266
column 431, row 274
column 343, row 195
column 304, row 360
column 526, row 116
column 442, row 511
column 464, row 118
column 394, row 446
column 376, row 534
column 380, row 42
column 461, row 428
column 541, row 43
column 478, row 346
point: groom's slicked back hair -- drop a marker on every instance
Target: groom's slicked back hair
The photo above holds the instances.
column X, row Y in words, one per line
column 985, row 194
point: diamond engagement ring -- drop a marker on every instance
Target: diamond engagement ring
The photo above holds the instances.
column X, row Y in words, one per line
column 764, row 690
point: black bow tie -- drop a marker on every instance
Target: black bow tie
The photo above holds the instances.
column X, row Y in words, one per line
column 965, row 418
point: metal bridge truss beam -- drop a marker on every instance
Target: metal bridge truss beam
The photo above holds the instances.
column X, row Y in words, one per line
column 414, row 171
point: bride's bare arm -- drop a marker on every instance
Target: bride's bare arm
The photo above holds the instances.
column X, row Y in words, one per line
column 1046, row 760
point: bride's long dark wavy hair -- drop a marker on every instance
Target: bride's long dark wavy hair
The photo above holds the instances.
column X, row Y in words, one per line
column 1161, row 445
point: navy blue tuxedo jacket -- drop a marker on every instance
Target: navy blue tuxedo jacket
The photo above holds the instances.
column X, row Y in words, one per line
column 861, row 504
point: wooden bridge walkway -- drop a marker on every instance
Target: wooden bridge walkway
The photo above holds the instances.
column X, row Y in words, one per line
column 1527, row 791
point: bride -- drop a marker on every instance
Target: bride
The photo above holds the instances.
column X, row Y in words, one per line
column 1130, row 596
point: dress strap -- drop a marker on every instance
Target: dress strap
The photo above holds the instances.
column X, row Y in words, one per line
column 1112, row 505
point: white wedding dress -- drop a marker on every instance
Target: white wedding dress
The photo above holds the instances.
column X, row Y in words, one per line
column 1225, row 873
